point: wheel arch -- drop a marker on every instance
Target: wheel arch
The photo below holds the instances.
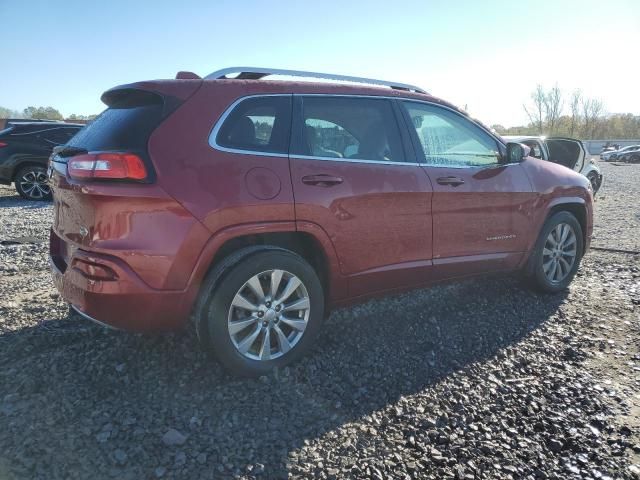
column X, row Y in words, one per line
column 577, row 209
column 574, row 205
column 301, row 243
column 19, row 165
column 310, row 242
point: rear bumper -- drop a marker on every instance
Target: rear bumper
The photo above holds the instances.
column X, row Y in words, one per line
column 125, row 303
column 87, row 317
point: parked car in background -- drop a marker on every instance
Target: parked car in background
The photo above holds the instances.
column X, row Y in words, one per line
column 25, row 147
column 255, row 206
column 617, row 154
column 631, row 156
column 569, row 152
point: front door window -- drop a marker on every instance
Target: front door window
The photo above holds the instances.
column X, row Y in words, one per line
column 448, row 140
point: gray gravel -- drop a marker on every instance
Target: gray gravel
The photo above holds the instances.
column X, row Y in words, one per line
column 481, row 379
column 617, row 216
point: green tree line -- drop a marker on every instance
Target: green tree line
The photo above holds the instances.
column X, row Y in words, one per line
column 552, row 112
column 41, row 113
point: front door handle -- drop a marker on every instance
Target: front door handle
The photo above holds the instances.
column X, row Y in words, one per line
column 322, row 180
column 451, row 181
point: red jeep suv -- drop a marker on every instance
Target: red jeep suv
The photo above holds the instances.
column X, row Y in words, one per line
column 254, row 206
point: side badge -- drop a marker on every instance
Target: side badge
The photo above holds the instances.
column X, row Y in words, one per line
column 501, row 237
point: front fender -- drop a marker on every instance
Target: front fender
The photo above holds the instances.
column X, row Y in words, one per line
column 545, row 205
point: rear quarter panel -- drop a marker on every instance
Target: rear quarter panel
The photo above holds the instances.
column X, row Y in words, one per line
column 212, row 184
column 140, row 224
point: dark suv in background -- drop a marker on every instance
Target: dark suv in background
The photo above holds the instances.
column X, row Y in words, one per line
column 256, row 206
column 25, row 147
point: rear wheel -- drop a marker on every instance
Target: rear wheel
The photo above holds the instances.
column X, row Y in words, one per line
column 594, row 179
column 259, row 310
column 32, row 183
column 557, row 254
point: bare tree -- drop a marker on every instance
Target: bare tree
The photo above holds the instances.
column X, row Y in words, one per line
column 552, row 103
column 574, row 105
column 592, row 109
column 535, row 111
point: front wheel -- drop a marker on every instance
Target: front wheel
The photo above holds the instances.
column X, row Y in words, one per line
column 32, row 183
column 557, row 253
column 259, row 311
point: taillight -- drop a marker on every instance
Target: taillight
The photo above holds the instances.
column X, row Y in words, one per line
column 107, row 165
column 3, row 144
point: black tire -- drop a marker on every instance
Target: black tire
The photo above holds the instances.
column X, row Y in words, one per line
column 535, row 269
column 634, row 159
column 594, row 179
column 218, row 292
column 32, row 183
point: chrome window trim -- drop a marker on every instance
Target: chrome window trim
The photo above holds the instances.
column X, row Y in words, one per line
column 227, row 112
column 35, row 131
column 353, row 160
column 218, row 125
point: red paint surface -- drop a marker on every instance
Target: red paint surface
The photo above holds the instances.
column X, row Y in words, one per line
column 385, row 228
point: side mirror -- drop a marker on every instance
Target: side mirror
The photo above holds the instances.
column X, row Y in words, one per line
column 516, row 152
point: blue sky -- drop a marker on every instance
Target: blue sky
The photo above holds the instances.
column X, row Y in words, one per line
column 488, row 55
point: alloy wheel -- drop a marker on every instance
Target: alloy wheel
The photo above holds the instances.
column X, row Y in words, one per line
column 268, row 315
column 559, row 254
column 35, row 184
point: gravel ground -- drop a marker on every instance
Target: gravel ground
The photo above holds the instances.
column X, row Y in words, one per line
column 481, row 379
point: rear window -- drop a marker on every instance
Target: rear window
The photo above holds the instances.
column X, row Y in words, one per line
column 125, row 125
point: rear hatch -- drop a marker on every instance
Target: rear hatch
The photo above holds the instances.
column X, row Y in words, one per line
column 568, row 152
column 104, row 174
column 123, row 127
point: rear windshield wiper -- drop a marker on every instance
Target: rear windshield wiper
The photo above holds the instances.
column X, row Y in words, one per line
column 68, row 150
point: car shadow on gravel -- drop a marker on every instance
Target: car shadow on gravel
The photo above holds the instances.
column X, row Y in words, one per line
column 14, row 200
column 19, row 202
column 82, row 388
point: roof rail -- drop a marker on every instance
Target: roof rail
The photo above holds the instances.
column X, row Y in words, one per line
column 253, row 73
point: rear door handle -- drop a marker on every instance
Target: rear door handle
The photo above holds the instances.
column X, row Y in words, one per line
column 452, row 181
column 322, row 180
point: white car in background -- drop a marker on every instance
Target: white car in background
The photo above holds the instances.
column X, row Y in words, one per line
column 569, row 152
column 617, row 154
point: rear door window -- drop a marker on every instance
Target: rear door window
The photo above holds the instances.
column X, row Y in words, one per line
column 257, row 124
column 349, row 127
column 328, row 139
